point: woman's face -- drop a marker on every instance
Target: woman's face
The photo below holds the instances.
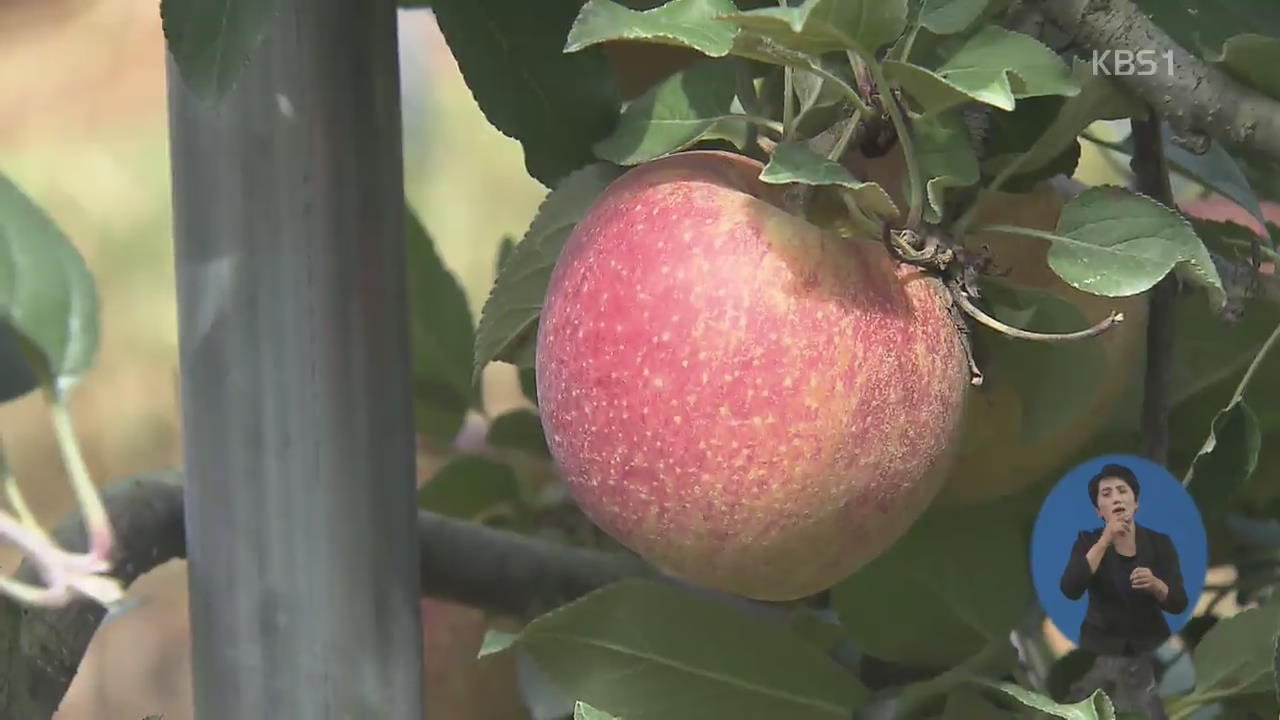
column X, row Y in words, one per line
column 1115, row 499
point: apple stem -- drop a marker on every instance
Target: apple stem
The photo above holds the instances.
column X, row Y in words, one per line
column 961, row 297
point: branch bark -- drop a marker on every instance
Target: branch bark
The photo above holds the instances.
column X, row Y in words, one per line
column 1195, row 97
column 1151, row 174
column 459, row 561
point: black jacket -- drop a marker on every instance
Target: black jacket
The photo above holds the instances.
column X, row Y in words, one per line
column 1121, row 620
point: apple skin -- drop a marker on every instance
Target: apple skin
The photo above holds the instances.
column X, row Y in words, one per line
column 747, row 401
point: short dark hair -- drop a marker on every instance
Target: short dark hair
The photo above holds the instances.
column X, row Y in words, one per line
column 1113, row 470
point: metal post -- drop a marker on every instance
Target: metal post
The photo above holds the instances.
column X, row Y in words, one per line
column 298, row 434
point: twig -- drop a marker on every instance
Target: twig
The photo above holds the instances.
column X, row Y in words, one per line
column 1195, row 97
column 962, row 299
column 461, row 562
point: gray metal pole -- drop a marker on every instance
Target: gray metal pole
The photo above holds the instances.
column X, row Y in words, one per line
column 298, row 433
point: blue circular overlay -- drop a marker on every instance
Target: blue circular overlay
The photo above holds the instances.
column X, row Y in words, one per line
column 1163, row 505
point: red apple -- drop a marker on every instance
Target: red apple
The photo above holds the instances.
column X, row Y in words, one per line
column 745, row 399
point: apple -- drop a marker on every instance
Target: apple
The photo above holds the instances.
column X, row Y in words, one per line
column 456, row 684
column 746, row 400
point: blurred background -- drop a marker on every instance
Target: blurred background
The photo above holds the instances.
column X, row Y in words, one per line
column 83, row 130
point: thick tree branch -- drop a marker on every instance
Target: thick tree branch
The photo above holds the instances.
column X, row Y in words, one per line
column 460, row 561
column 1195, row 97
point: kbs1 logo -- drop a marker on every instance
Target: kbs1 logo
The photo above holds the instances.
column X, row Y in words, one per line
column 1132, row 62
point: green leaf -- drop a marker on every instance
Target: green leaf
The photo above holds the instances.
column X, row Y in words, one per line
column 928, row 576
column 509, row 321
column 211, row 40
column 795, row 163
column 511, row 55
column 1120, row 243
column 1075, row 367
column 1227, row 460
column 505, row 246
column 1217, row 170
column 1009, row 137
column 496, row 641
column 685, row 23
column 47, row 294
column 817, row 27
column 17, row 376
column 443, row 339
column 691, row 105
column 1114, row 242
column 1068, row 670
column 650, row 651
column 946, row 159
column 1276, row 664
column 1095, row 707
column 995, row 66
column 519, row 430
column 529, row 384
column 1237, row 653
column 946, row 17
column 1253, row 59
column 1100, row 98
column 966, row 703
column 1203, row 26
column 583, row 711
column 471, row 487
column 1213, row 352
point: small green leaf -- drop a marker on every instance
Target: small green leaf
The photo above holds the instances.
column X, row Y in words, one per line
column 946, row 17
column 519, row 430
column 1114, row 242
column 995, row 66
column 471, row 487
column 1095, row 707
column 928, row 576
column 47, row 294
column 685, row 23
column 946, row 159
column 583, row 711
column 496, row 641
column 1237, row 653
column 795, row 163
column 1253, row 58
column 1227, row 460
column 817, row 27
column 691, row 105
column 443, row 339
column 211, row 40
column 650, row 651
column 508, row 323
column 511, row 54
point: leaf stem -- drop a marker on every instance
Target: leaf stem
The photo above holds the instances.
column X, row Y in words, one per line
column 842, row 144
column 97, row 524
column 850, row 94
column 764, row 122
column 865, row 224
column 916, row 206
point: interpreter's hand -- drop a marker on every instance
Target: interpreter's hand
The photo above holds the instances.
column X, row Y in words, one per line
column 1142, row 579
column 1117, row 526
